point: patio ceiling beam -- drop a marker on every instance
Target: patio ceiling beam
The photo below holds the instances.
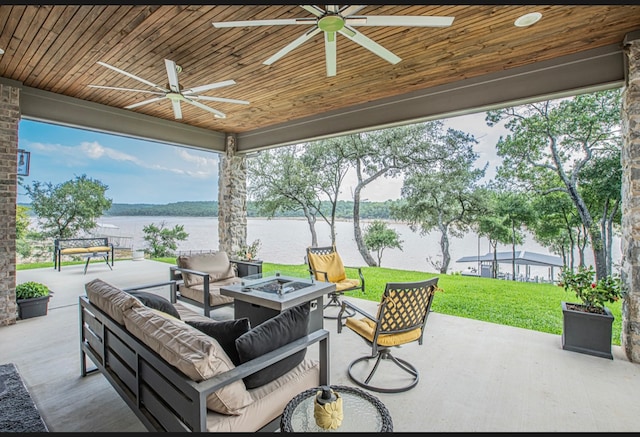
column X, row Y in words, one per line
column 55, row 108
column 587, row 71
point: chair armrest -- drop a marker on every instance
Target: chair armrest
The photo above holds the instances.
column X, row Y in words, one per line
column 345, row 305
column 172, row 290
column 313, row 273
column 204, row 275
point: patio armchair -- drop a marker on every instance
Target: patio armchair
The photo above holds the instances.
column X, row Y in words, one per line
column 325, row 264
column 201, row 275
column 401, row 318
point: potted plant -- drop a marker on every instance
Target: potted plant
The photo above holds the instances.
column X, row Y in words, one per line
column 32, row 299
column 587, row 325
column 246, row 259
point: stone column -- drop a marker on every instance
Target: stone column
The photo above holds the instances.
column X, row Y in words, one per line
column 232, row 199
column 9, row 118
column 630, row 269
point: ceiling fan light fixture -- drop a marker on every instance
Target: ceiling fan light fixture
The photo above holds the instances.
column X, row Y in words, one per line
column 331, row 23
column 527, row 20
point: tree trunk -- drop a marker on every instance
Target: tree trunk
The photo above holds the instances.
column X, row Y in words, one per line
column 357, row 232
column 311, row 220
column 494, row 265
column 444, row 247
column 513, row 251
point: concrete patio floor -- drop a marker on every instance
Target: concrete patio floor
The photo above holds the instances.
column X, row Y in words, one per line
column 474, row 376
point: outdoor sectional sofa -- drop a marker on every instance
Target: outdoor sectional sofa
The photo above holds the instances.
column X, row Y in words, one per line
column 177, row 378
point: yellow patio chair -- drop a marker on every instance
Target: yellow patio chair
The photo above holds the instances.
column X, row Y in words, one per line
column 326, row 265
column 401, row 318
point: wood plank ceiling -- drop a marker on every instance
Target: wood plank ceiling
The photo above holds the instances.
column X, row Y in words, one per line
column 56, row 48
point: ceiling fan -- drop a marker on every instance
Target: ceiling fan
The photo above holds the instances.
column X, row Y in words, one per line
column 174, row 92
column 341, row 19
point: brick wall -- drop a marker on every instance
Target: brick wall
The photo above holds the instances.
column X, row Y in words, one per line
column 9, row 118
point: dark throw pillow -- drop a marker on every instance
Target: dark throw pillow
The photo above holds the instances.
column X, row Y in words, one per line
column 276, row 332
column 225, row 332
column 156, row 302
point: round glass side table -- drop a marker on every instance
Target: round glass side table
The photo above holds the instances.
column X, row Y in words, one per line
column 362, row 411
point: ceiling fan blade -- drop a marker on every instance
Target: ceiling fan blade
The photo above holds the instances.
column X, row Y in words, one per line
column 334, row 9
column 133, row 76
column 135, row 105
column 217, row 113
column 315, row 10
column 126, row 89
column 397, row 20
column 292, row 45
column 202, row 88
column 172, row 74
column 277, row 22
column 219, row 99
column 330, row 52
column 369, row 44
column 177, row 111
column 350, row 10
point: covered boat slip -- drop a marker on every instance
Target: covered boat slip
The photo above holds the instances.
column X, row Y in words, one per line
column 522, row 258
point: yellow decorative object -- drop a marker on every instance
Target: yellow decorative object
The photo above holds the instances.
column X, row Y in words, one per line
column 328, row 415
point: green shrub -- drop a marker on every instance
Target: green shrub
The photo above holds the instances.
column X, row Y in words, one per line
column 31, row 289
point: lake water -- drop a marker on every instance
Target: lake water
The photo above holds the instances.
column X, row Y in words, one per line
column 284, row 241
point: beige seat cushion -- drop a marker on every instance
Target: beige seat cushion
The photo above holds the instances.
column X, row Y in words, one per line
column 196, row 292
column 269, row 400
column 216, row 264
column 110, row 299
column 197, row 355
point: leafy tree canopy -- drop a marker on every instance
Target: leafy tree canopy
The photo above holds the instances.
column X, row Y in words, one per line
column 70, row 207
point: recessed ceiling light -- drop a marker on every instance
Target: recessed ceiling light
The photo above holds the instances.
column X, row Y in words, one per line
column 528, row 19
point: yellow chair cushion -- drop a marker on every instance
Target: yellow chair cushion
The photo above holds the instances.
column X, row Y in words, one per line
column 347, row 284
column 330, row 263
column 366, row 328
column 99, row 249
column 72, row 250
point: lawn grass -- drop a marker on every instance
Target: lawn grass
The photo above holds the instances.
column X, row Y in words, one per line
column 525, row 305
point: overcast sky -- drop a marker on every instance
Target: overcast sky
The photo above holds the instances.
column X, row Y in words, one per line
column 139, row 171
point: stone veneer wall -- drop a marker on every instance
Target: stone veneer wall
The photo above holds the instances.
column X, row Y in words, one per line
column 232, row 199
column 9, row 119
column 630, row 116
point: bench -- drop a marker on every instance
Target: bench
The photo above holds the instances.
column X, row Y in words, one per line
column 88, row 247
column 162, row 396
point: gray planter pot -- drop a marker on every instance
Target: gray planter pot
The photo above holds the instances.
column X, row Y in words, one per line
column 587, row 333
column 33, row 307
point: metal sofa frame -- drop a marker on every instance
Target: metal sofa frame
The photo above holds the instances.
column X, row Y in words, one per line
column 162, row 397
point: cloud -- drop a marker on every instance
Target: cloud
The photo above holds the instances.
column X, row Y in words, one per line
column 188, row 164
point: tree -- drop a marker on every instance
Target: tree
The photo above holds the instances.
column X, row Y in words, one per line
column 515, row 210
column 601, row 187
column 70, row 207
column 22, row 231
column 279, row 180
column 442, row 195
column 22, row 221
column 378, row 237
column 162, row 240
column 388, row 153
column 550, row 144
column 491, row 225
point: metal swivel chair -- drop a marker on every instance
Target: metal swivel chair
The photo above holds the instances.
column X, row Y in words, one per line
column 402, row 315
column 326, row 265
